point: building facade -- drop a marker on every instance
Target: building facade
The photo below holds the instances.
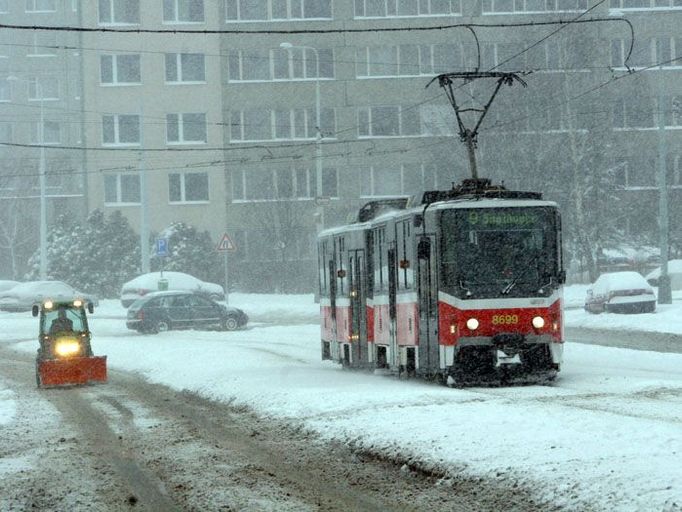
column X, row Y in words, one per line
column 41, row 105
column 223, row 125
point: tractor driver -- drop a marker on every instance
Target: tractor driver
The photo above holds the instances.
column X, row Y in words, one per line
column 61, row 323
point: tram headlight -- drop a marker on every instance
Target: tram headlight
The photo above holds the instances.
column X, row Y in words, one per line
column 538, row 322
column 472, row 324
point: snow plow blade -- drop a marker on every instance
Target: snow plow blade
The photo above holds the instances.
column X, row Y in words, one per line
column 71, row 372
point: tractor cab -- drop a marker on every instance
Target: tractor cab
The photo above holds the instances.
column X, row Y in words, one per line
column 65, row 355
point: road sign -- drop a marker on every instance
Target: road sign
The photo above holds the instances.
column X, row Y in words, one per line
column 162, row 247
column 226, row 244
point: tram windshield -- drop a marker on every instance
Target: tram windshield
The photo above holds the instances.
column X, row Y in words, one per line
column 499, row 252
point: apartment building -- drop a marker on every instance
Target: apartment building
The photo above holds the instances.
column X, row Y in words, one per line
column 153, row 114
column 225, row 126
column 40, row 84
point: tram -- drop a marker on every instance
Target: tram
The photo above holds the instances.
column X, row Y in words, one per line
column 464, row 287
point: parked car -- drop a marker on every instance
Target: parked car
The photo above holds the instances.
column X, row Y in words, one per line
column 22, row 296
column 674, row 271
column 7, row 285
column 620, row 292
column 165, row 311
column 147, row 283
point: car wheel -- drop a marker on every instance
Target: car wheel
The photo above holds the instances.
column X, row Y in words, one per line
column 161, row 326
column 231, row 323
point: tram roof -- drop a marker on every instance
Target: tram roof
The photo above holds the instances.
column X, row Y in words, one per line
column 463, row 203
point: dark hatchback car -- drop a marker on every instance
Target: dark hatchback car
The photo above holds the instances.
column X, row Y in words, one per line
column 165, row 311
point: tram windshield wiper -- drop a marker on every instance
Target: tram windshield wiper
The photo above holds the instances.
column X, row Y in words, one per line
column 507, row 289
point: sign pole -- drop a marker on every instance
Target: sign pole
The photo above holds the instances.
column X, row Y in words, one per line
column 227, row 283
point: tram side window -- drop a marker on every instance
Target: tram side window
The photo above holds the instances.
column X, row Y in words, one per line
column 379, row 260
column 321, row 254
column 369, row 278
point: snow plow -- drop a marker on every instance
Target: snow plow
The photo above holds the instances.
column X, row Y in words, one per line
column 65, row 355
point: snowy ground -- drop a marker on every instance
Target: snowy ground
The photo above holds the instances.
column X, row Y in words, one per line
column 607, row 435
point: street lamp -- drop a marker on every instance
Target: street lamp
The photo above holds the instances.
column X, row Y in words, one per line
column 318, row 140
column 43, row 206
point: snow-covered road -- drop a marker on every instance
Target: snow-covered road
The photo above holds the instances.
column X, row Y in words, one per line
column 606, row 436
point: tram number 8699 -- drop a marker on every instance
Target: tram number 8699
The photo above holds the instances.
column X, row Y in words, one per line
column 505, row 319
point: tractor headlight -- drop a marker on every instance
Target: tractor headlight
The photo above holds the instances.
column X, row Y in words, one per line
column 472, row 324
column 66, row 347
column 538, row 322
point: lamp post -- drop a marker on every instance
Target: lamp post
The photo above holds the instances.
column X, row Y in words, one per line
column 41, row 172
column 318, row 139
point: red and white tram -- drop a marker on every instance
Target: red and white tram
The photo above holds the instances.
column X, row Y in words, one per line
column 466, row 286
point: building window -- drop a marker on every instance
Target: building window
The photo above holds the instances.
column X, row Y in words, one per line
column 294, row 124
column 664, row 52
column 629, row 115
column 122, row 188
column 43, row 44
column 646, row 4
column 532, row 6
column 388, row 121
column 121, row 129
column 260, row 65
column 405, row 179
column 283, row 183
column 265, row 10
column 5, row 132
column 41, row 5
column 120, row 69
column 189, row 187
column 44, row 88
column 183, row 11
column 122, row 12
column 185, row 68
column 5, row 90
column 408, row 60
column 186, row 128
column 51, row 133
column 403, row 8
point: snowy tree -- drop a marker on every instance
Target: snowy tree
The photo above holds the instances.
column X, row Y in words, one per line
column 97, row 256
column 190, row 251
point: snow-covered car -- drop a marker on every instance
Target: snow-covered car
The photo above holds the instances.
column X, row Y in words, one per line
column 7, row 285
column 23, row 296
column 164, row 311
column 674, row 271
column 620, row 292
column 147, row 283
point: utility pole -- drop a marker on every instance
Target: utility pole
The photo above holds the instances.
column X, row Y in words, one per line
column 144, row 207
column 664, row 288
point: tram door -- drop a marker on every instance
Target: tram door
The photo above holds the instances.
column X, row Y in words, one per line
column 427, row 284
column 358, row 314
column 392, row 308
column 331, row 268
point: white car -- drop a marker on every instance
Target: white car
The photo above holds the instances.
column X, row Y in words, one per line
column 146, row 283
column 674, row 271
column 23, row 296
column 7, row 285
column 620, row 292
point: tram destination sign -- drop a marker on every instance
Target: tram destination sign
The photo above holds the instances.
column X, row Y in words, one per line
column 507, row 218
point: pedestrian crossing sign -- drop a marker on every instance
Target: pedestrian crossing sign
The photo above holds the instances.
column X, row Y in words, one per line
column 226, row 244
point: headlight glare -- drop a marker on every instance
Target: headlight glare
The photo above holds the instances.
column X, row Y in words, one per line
column 538, row 322
column 472, row 324
column 65, row 347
